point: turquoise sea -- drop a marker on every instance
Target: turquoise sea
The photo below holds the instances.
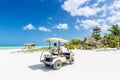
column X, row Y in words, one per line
column 16, row 47
column 11, row 47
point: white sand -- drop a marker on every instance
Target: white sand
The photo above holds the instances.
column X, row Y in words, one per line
column 89, row 65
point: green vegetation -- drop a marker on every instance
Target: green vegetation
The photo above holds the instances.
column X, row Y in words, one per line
column 74, row 43
column 88, row 47
column 97, row 37
column 34, row 50
column 111, row 38
column 115, row 30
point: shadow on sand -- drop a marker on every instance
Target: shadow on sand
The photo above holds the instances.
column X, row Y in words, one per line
column 44, row 68
column 41, row 67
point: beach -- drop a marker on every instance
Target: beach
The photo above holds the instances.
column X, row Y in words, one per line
column 89, row 65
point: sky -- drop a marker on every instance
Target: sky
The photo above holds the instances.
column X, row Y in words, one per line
column 24, row 21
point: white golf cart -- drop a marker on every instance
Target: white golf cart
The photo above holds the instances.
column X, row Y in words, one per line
column 56, row 61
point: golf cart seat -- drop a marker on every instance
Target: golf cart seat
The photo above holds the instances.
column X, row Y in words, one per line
column 56, row 52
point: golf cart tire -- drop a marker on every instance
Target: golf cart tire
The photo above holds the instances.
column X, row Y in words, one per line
column 57, row 65
column 71, row 60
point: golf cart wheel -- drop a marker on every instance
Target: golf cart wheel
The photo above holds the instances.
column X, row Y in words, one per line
column 57, row 65
column 47, row 65
column 72, row 60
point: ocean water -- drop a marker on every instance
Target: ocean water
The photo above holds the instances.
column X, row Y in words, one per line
column 11, row 47
column 16, row 47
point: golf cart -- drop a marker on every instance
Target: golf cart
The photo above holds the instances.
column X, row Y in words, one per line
column 56, row 61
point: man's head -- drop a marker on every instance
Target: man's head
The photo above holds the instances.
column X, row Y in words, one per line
column 55, row 44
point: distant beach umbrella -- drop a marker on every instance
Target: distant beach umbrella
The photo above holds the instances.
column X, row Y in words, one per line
column 29, row 45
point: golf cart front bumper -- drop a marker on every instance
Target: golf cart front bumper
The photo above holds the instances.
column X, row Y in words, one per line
column 46, row 62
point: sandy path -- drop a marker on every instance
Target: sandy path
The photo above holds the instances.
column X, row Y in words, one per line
column 89, row 65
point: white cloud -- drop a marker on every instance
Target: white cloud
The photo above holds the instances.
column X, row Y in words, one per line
column 118, row 23
column 88, row 23
column 114, row 18
column 101, row 21
column 99, row 1
column 78, row 20
column 71, row 5
column 29, row 27
column 114, row 12
column 77, row 27
column 74, row 7
column 104, row 27
column 86, row 11
column 62, row 26
column 50, row 18
column 101, row 13
column 116, row 4
column 42, row 28
column 96, row 4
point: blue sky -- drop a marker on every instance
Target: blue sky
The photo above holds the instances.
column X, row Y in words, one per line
column 24, row 21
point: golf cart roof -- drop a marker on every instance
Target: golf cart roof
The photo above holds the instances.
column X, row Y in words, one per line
column 56, row 40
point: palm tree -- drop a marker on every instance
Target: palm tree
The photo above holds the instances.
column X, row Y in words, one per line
column 109, row 40
column 97, row 37
column 74, row 43
column 115, row 30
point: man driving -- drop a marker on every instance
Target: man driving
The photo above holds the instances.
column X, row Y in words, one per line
column 54, row 50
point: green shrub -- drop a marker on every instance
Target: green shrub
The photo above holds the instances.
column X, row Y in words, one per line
column 89, row 47
column 106, row 46
column 34, row 50
column 98, row 47
column 71, row 47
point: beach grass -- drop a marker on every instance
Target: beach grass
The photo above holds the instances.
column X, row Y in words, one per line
column 32, row 50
